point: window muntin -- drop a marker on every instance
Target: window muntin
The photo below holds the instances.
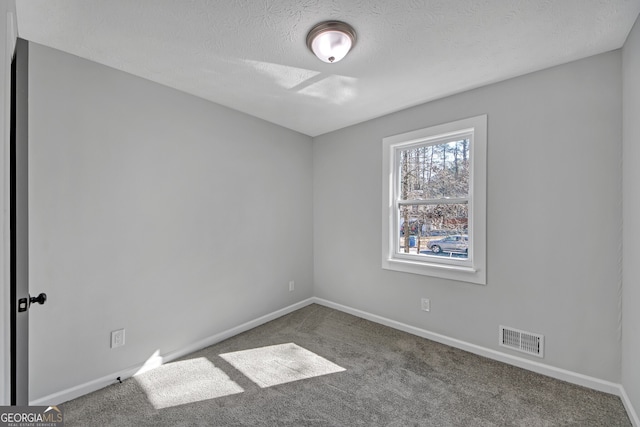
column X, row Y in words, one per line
column 434, row 190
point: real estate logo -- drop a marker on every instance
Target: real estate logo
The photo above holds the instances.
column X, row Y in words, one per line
column 31, row 416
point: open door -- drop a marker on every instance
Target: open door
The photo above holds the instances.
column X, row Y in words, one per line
column 19, row 226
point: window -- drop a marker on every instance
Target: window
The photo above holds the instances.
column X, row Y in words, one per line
column 434, row 201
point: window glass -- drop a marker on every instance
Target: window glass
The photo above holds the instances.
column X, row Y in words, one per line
column 428, row 223
column 435, row 170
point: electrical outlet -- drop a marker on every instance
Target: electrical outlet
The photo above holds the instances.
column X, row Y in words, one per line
column 426, row 304
column 117, row 338
column 292, row 285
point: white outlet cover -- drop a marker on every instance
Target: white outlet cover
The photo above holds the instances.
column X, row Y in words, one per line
column 426, row 304
column 117, row 338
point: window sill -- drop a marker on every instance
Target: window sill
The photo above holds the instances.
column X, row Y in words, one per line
column 444, row 271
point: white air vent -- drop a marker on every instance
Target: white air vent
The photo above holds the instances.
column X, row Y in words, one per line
column 525, row 342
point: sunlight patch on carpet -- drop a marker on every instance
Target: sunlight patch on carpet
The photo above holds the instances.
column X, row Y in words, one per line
column 186, row 381
column 280, row 364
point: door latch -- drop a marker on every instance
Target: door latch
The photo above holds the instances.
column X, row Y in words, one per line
column 40, row 299
column 25, row 303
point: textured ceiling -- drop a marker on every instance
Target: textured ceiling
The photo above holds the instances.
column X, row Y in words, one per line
column 251, row 55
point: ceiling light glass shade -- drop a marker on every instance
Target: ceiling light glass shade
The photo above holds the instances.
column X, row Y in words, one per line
column 330, row 41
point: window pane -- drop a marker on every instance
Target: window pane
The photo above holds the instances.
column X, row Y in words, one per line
column 434, row 230
column 435, row 171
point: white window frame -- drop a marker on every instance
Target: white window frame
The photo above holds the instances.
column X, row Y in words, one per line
column 471, row 269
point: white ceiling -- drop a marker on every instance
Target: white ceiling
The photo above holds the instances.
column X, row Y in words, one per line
column 251, row 55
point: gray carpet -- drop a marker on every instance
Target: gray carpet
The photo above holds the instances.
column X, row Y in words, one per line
column 322, row 367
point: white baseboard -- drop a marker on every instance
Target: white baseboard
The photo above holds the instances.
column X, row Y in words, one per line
column 561, row 374
column 633, row 415
column 97, row 384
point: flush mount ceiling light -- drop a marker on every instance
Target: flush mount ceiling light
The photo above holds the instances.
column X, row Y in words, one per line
column 330, row 41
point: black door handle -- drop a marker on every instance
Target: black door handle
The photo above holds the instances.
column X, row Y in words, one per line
column 40, row 299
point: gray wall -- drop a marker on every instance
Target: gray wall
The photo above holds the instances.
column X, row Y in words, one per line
column 631, row 217
column 554, row 218
column 154, row 211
